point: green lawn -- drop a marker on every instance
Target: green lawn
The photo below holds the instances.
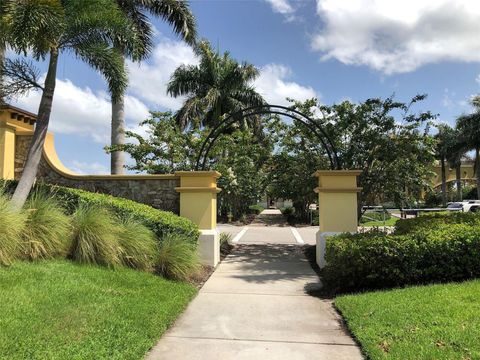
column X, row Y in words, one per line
column 60, row 310
column 425, row 322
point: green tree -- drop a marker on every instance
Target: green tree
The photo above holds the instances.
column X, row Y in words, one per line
column 446, row 140
column 47, row 29
column 469, row 127
column 174, row 12
column 164, row 148
column 219, row 85
column 383, row 138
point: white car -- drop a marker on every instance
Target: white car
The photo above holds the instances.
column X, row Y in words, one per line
column 465, row 206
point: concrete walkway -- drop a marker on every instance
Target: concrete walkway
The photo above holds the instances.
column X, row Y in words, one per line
column 255, row 306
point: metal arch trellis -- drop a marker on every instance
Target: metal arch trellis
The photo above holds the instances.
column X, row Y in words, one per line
column 293, row 114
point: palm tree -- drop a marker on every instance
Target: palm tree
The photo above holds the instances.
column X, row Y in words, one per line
column 179, row 16
column 218, row 85
column 456, row 152
column 469, row 127
column 47, row 28
column 445, row 138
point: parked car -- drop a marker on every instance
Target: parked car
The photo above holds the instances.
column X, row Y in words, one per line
column 465, row 206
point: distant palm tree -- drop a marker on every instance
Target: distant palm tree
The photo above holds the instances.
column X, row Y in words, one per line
column 47, row 28
column 445, row 140
column 469, row 127
column 219, row 85
column 456, row 152
column 175, row 12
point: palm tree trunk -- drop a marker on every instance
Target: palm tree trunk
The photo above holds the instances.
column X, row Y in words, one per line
column 2, row 62
column 117, row 158
column 458, row 175
column 36, row 146
column 444, row 183
column 477, row 170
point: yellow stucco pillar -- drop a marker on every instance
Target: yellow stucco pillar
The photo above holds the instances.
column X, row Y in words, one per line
column 7, row 152
column 337, row 200
column 198, row 202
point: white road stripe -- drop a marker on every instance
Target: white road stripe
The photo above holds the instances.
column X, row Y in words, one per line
column 297, row 236
column 239, row 235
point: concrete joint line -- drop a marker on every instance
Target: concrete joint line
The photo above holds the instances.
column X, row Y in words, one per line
column 237, row 237
column 296, row 235
column 259, row 340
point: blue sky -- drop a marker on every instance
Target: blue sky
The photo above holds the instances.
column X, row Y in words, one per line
column 330, row 49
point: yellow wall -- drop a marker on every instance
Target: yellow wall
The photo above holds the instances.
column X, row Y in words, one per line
column 7, row 152
column 466, row 172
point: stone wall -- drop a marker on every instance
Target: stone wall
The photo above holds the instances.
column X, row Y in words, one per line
column 155, row 190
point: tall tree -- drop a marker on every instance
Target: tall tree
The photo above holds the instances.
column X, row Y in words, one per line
column 455, row 155
column 48, row 28
column 469, row 127
column 219, row 85
column 176, row 13
column 446, row 140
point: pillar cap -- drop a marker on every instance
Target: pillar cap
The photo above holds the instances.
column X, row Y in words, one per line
column 319, row 173
column 214, row 174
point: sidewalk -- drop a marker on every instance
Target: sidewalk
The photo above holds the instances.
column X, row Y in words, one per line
column 255, row 306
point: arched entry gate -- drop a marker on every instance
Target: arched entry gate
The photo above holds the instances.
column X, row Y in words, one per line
column 337, row 189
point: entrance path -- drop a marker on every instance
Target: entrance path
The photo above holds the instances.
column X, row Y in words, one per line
column 255, row 306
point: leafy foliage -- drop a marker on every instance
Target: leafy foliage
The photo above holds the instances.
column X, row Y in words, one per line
column 48, row 229
column 177, row 259
column 219, row 85
column 433, row 249
column 158, row 221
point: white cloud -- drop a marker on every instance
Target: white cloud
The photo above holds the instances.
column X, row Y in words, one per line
column 282, row 7
column 83, row 168
column 84, row 112
column 149, row 79
column 478, row 79
column 274, row 86
column 398, row 36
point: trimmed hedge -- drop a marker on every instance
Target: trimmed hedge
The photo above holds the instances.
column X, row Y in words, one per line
column 432, row 249
column 162, row 223
column 431, row 220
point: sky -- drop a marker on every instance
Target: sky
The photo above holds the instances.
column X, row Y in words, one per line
column 329, row 49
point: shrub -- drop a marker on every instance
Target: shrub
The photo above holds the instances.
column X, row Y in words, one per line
column 448, row 252
column 430, row 220
column 12, row 224
column 138, row 245
column 225, row 238
column 160, row 222
column 255, row 209
column 287, row 211
column 47, row 231
column 94, row 238
column 177, row 259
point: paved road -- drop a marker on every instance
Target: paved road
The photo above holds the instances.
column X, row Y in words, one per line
column 255, row 306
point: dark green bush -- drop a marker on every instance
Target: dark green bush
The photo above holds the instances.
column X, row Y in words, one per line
column 431, row 220
column 255, row 209
column 443, row 252
column 160, row 222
